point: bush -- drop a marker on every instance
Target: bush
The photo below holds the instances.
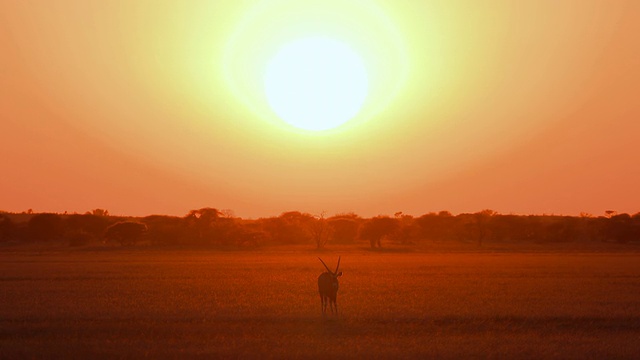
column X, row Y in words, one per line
column 79, row 238
column 45, row 227
column 7, row 228
column 87, row 223
column 125, row 232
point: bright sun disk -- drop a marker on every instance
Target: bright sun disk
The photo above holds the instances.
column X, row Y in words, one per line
column 316, row 83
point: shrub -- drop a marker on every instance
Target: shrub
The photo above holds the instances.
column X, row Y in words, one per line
column 45, row 227
column 79, row 238
column 125, row 232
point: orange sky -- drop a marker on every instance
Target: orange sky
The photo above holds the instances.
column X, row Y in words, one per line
column 145, row 107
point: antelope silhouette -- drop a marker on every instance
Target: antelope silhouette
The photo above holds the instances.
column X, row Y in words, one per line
column 328, row 287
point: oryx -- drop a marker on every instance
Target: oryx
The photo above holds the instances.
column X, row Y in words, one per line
column 328, row 287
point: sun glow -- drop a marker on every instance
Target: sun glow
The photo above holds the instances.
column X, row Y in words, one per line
column 316, row 83
column 346, row 60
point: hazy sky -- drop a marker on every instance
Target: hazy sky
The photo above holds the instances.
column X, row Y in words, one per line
column 145, row 107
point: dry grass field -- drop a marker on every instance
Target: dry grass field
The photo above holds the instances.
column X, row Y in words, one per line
column 203, row 304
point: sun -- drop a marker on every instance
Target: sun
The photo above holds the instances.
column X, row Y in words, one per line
column 316, row 83
column 315, row 67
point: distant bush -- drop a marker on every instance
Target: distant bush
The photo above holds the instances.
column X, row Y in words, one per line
column 166, row 230
column 79, row 238
column 289, row 228
column 45, row 227
column 8, row 229
column 344, row 229
column 377, row 228
column 87, row 223
column 125, row 232
column 210, row 227
column 621, row 228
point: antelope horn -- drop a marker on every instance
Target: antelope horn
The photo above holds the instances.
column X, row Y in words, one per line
column 325, row 265
column 337, row 267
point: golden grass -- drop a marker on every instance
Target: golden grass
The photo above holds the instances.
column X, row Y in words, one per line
column 135, row 303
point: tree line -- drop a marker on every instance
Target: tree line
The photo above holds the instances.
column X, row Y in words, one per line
column 215, row 228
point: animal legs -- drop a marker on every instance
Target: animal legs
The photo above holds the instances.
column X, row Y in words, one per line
column 323, row 304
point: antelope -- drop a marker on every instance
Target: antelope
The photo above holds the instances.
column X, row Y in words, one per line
column 328, row 287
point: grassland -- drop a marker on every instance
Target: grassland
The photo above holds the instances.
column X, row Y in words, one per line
column 175, row 304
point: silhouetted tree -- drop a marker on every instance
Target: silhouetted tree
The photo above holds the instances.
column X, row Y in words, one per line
column 509, row 228
column 320, row 230
column 125, row 232
column 344, row 228
column 377, row 228
column 202, row 220
column 79, row 238
column 556, row 229
column 7, row 228
column 292, row 227
column 620, row 228
column 45, row 227
column 99, row 212
column 90, row 224
column 438, row 226
column 408, row 229
column 251, row 234
column 165, row 230
column 211, row 226
column 483, row 224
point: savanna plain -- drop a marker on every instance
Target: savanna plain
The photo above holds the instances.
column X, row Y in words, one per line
column 132, row 303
